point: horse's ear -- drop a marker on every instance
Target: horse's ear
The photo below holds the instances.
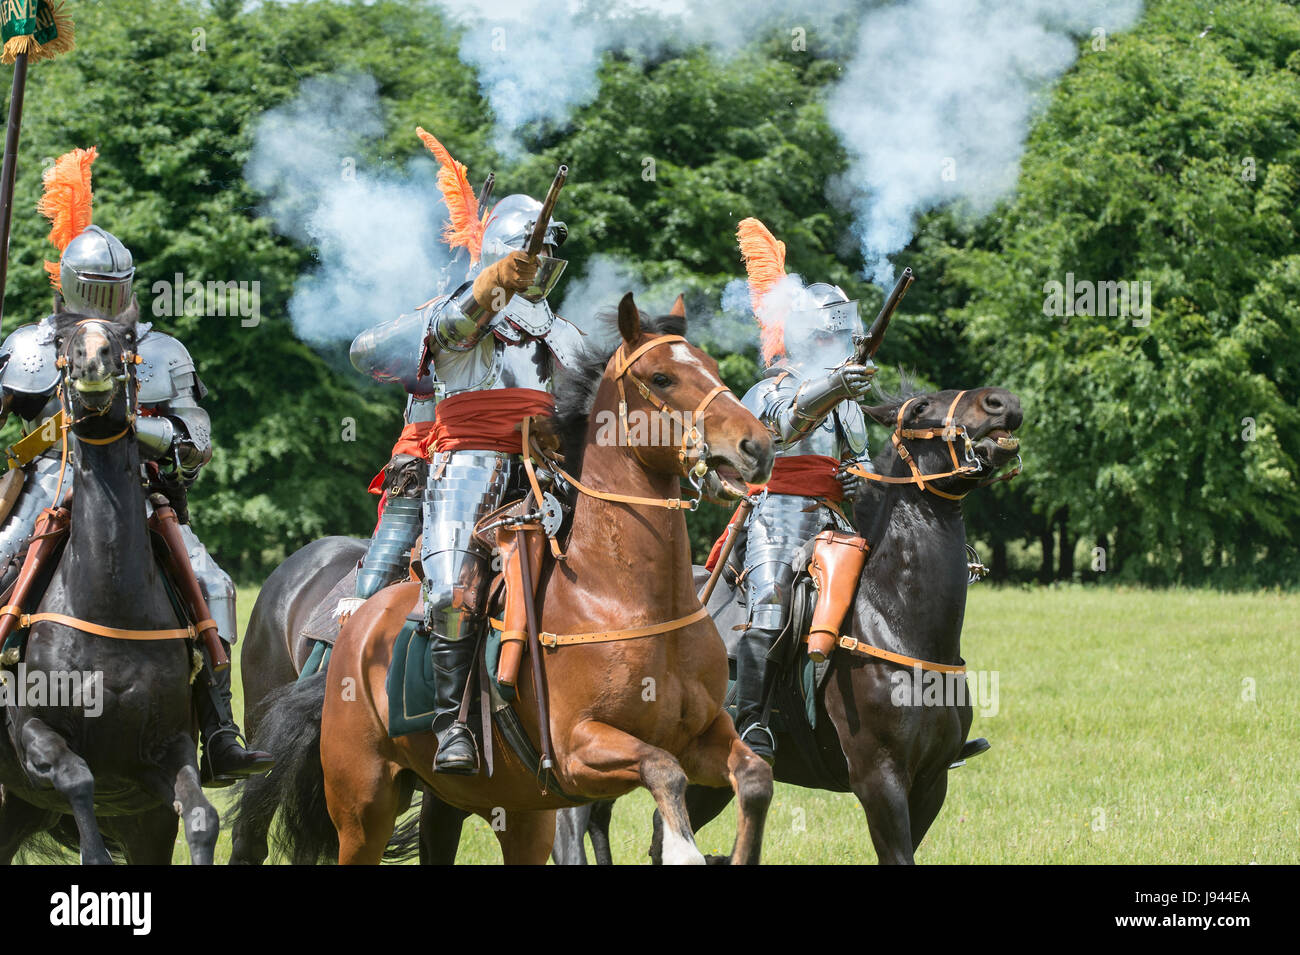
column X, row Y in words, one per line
column 679, row 307
column 882, row 414
column 629, row 320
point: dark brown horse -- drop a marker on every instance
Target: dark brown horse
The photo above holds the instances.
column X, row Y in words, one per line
column 871, row 738
column 645, row 711
column 119, row 756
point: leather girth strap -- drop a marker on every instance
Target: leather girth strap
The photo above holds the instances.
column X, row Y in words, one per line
column 861, row 646
column 553, row 640
column 26, row 620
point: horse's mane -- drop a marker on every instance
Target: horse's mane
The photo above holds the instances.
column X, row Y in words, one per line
column 909, row 386
column 575, row 386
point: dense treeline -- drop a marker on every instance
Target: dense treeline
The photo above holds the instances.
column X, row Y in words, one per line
column 1159, row 447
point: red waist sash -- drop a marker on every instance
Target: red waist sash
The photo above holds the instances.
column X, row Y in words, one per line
column 804, row 475
column 486, row 420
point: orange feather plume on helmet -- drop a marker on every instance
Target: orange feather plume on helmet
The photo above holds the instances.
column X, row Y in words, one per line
column 67, row 201
column 764, row 257
column 465, row 227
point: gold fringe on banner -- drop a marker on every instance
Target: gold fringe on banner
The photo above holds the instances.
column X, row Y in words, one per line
column 39, row 28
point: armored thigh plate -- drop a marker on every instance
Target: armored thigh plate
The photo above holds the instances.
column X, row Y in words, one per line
column 464, row 486
column 218, row 589
column 778, row 526
column 36, row 495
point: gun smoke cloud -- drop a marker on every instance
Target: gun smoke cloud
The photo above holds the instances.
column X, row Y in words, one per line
column 933, row 106
column 376, row 232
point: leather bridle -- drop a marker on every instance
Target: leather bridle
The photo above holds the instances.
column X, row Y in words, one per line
column 129, row 360
column 693, row 451
column 949, row 433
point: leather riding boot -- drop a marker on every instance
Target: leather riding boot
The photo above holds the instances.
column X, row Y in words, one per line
column 457, row 751
column 225, row 759
column 752, row 685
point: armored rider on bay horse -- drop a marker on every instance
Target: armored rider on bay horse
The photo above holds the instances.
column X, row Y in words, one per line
column 487, row 350
column 94, row 277
column 808, row 399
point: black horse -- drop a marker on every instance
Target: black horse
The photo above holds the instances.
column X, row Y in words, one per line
column 121, row 759
column 870, row 739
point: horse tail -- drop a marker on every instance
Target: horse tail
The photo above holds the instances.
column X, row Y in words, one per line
column 290, row 731
column 405, row 843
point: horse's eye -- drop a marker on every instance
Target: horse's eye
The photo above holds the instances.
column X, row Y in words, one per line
column 921, row 407
column 660, row 380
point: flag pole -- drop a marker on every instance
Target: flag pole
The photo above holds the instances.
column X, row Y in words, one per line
column 9, row 169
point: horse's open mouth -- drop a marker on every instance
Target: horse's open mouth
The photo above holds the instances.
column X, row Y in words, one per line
column 997, row 447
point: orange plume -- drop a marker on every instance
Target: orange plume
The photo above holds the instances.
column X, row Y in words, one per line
column 67, row 201
column 764, row 258
column 465, row 228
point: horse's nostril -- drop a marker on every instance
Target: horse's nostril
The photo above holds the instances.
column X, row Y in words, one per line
column 751, row 448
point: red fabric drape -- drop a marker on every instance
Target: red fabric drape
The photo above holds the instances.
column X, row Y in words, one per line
column 804, row 475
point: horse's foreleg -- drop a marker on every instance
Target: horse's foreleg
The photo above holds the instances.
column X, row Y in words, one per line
column 570, row 830
column 598, row 829
column 718, row 758
column 883, row 793
column 177, row 782
column 50, row 761
column 604, row 759
column 525, row 837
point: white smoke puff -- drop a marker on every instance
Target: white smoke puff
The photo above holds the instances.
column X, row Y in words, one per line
column 537, row 60
column 936, row 105
column 589, row 297
column 377, row 236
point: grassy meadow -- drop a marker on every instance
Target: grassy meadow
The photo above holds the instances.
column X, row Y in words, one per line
column 1129, row 726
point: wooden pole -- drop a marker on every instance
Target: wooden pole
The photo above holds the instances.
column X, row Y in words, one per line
column 9, row 169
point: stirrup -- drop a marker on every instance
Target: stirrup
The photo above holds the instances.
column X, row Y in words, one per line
column 463, row 766
column 770, row 748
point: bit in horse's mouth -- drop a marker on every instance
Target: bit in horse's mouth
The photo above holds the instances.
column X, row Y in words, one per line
column 91, row 387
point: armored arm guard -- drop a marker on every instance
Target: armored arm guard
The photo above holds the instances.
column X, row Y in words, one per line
column 390, row 352
column 792, row 407
column 169, row 385
column 459, row 322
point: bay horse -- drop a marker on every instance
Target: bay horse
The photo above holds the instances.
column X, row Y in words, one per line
column 624, row 712
column 126, row 766
column 911, row 600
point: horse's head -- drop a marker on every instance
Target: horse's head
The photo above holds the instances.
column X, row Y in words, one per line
column 97, row 356
column 968, row 432
column 677, row 415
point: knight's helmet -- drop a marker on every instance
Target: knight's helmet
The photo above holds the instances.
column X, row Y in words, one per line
column 491, row 236
column 799, row 324
column 95, row 270
column 95, row 274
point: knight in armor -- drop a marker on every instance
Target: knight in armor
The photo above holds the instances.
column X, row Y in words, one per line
column 487, row 350
column 94, row 277
column 808, row 399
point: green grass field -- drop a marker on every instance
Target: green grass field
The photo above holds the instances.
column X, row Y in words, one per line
column 1131, row 726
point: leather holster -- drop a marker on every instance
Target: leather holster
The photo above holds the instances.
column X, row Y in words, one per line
column 836, row 565
column 514, row 618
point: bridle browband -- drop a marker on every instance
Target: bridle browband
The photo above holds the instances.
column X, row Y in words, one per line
column 693, row 450
column 949, row 433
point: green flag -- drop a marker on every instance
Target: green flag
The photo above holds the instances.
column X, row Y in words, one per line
column 38, row 28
